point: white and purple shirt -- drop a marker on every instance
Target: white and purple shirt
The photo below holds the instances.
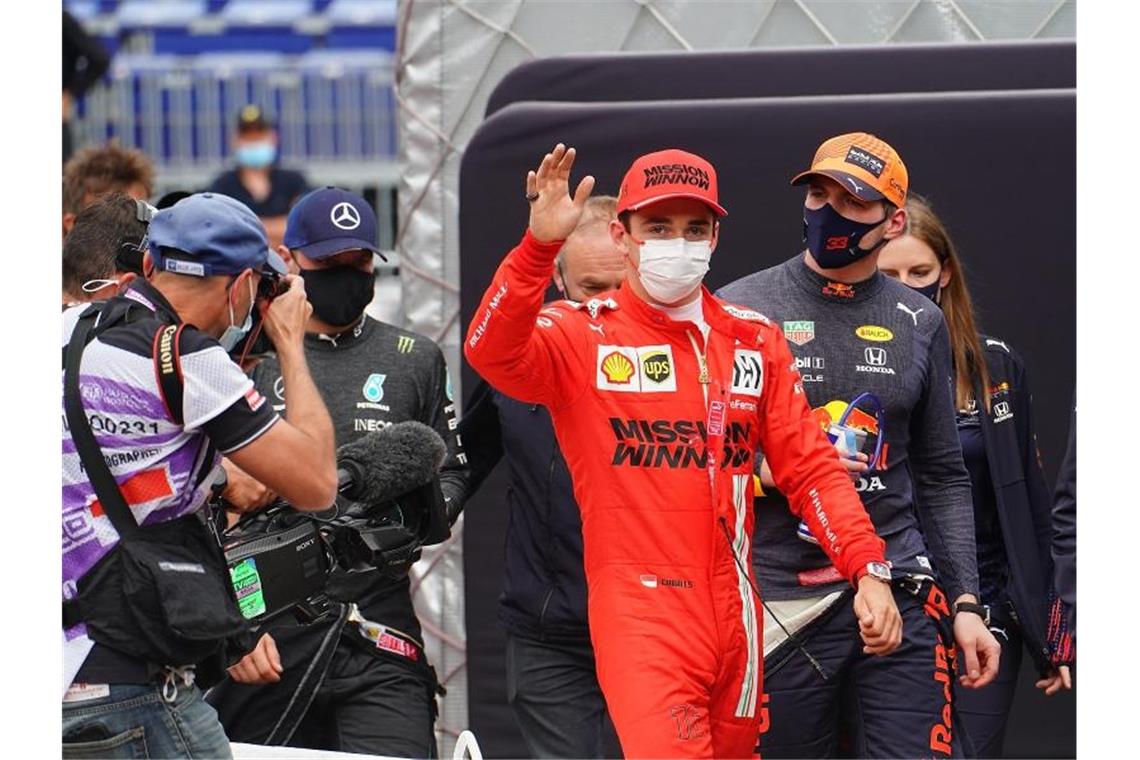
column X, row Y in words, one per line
column 158, row 464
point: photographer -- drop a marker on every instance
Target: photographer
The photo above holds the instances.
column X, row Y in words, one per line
column 157, row 402
column 374, row 692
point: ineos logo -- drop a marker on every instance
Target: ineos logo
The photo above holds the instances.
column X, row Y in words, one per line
column 876, row 357
column 345, row 216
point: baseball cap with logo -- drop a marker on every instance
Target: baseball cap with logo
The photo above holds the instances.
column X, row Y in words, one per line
column 252, row 119
column 668, row 174
column 328, row 221
column 208, row 234
column 865, row 165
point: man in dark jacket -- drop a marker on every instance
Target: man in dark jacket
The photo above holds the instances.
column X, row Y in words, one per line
column 551, row 681
column 257, row 180
column 365, row 674
column 1064, row 546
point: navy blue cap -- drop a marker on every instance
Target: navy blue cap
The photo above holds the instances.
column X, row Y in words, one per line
column 212, row 234
column 328, row 221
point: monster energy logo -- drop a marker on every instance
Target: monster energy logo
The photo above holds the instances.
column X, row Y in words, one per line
column 404, row 344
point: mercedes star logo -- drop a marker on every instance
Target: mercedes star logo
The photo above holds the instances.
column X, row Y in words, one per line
column 345, row 216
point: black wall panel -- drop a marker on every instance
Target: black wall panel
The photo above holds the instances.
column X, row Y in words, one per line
column 999, row 167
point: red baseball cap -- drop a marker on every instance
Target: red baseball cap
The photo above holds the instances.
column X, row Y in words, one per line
column 665, row 174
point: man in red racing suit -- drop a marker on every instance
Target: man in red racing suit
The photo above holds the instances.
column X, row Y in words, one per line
column 658, row 408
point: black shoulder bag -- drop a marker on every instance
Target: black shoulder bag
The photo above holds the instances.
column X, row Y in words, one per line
column 162, row 594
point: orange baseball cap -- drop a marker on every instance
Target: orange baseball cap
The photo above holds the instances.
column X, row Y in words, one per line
column 865, row 165
column 668, row 174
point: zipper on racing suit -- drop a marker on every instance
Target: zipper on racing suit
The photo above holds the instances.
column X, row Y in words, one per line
column 704, row 379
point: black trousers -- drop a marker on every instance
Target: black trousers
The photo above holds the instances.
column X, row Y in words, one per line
column 370, row 705
column 337, row 693
column 553, row 689
column 985, row 711
column 889, row 707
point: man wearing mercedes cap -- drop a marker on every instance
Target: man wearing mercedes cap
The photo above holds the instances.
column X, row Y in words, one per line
column 377, row 696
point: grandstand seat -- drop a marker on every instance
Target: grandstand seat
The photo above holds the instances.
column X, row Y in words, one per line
column 265, row 12
column 83, row 10
column 362, row 12
column 142, row 14
column 184, row 41
column 373, row 37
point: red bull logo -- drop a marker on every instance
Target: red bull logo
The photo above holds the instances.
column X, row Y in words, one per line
column 830, row 413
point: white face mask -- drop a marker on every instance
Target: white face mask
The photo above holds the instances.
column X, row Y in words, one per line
column 233, row 334
column 94, row 286
column 671, row 269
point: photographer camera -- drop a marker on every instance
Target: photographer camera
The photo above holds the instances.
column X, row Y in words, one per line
column 358, row 681
column 147, row 601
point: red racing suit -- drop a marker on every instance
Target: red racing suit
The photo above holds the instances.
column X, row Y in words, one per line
column 658, row 427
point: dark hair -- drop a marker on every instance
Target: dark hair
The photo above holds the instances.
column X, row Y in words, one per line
column 957, row 306
column 99, row 233
column 99, row 170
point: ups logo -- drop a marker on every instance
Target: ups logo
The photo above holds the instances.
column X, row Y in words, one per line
column 657, row 366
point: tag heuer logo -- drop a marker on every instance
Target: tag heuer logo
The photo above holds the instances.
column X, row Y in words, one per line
column 657, row 366
column 617, row 368
column 799, row 331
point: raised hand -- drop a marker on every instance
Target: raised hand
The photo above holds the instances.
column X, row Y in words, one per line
column 553, row 213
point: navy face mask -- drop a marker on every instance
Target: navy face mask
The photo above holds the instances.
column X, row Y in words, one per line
column 931, row 291
column 833, row 240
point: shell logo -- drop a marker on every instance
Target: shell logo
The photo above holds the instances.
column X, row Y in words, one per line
column 874, row 333
column 617, row 368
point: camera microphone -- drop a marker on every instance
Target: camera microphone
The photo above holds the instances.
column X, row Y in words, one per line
column 388, row 463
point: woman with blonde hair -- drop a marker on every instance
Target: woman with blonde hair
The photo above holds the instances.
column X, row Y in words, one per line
column 1012, row 504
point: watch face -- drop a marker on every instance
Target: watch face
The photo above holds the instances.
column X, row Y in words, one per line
column 879, row 570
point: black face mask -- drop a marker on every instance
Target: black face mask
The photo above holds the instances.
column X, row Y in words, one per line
column 931, row 291
column 833, row 240
column 339, row 295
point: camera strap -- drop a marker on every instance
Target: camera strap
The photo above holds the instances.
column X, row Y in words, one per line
column 168, row 368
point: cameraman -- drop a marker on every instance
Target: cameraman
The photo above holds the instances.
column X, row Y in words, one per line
column 207, row 256
column 104, row 251
column 377, row 693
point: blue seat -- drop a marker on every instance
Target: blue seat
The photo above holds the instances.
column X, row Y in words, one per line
column 143, row 14
column 82, row 9
column 182, row 41
column 266, row 12
column 370, row 37
column 361, row 12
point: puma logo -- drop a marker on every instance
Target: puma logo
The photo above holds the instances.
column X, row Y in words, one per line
column 854, row 184
column 913, row 314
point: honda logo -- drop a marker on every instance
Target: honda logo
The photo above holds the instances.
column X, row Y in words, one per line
column 1001, row 409
column 876, row 357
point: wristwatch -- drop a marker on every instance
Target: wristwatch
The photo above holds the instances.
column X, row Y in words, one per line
column 981, row 610
column 878, row 570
